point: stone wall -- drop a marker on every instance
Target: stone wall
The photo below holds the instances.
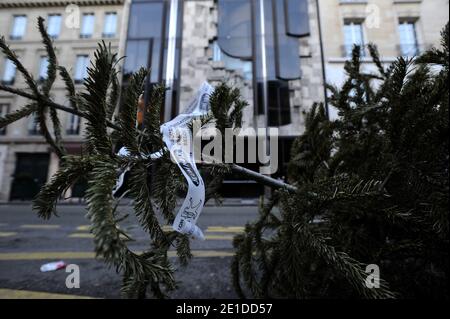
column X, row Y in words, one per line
column 200, row 27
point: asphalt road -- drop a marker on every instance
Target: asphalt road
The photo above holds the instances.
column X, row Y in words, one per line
column 27, row 242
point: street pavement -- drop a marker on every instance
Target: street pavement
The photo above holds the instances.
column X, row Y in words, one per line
column 27, row 242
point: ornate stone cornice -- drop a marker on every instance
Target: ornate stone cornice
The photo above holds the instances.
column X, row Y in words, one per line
column 55, row 3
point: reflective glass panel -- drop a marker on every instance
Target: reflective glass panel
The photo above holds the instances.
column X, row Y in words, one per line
column 146, row 20
column 136, row 55
column 287, row 49
column 297, row 17
column 235, row 28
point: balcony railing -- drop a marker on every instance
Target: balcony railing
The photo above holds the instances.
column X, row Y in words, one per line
column 108, row 35
column 85, row 35
column 410, row 50
column 15, row 37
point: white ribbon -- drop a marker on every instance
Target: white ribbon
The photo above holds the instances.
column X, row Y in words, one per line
column 177, row 137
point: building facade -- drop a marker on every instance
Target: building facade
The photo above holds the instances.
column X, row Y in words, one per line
column 76, row 27
column 279, row 53
column 397, row 27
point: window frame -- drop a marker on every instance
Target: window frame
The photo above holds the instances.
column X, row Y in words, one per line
column 415, row 37
column 347, row 47
column 78, row 80
column 6, row 64
column 106, row 34
column 83, row 23
column 41, row 76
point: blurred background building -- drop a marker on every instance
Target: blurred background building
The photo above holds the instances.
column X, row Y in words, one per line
column 278, row 52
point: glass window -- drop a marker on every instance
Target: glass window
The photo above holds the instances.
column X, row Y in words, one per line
column 43, row 66
column 353, row 35
column 81, row 68
column 408, row 39
column 19, row 27
column 9, row 72
column 145, row 39
column 146, row 20
column 136, row 55
column 87, row 25
column 33, row 125
column 235, row 28
column 73, row 125
column 4, row 109
column 54, row 25
column 278, row 103
column 110, row 26
column 287, row 56
column 154, row 42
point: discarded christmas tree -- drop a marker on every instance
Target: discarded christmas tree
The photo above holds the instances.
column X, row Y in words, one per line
column 370, row 188
column 373, row 188
column 100, row 164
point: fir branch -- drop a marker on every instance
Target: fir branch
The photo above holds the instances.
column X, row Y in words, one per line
column 72, row 169
column 70, row 87
column 164, row 189
column 127, row 113
column 114, row 95
column 374, row 53
column 140, row 191
column 94, row 100
column 152, row 118
column 17, row 115
column 226, row 107
column 51, row 56
column 183, row 249
column 438, row 56
column 41, row 119
column 344, row 265
column 108, row 243
column 10, row 55
column 49, row 102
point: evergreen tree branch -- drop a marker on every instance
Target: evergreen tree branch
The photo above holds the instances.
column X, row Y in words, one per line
column 127, row 115
column 17, row 115
column 72, row 169
column 94, row 100
column 343, row 264
column 108, row 244
column 70, row 86
column 143, row 204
